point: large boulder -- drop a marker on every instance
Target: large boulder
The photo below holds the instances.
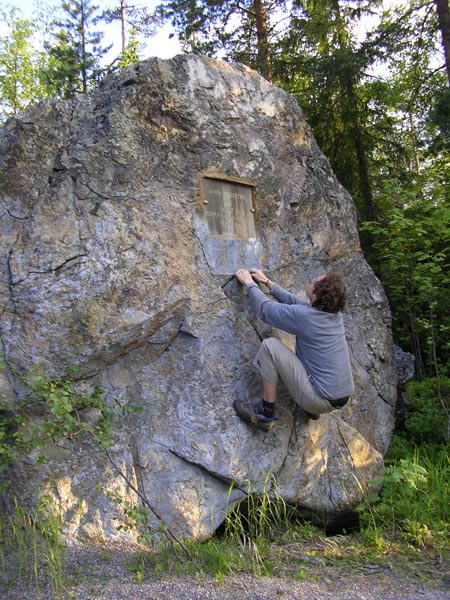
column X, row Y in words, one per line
column 124, row 214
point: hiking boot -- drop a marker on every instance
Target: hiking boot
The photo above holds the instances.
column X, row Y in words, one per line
column 254, row 415
column 310, row 415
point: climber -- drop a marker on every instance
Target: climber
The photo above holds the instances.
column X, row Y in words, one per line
column 318, row 375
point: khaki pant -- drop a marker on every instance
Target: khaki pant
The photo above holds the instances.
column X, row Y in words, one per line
column 274, row 360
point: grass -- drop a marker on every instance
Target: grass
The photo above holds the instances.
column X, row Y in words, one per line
column 406, row 524
column 301, row 554
column 217, row 557
column 259, row 516
column 34, row 548
column 292, row 549
column 414, row 503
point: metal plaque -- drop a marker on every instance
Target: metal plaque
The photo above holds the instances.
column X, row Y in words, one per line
column 229, row 208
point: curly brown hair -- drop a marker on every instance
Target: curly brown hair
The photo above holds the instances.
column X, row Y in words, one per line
column 330, row 295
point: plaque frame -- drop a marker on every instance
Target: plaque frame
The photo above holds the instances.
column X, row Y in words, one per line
column 228, row 206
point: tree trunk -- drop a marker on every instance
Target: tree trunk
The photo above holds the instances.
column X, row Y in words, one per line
column 122, row 22
column 443, row 11
column 368, row 209
column 353, row 111
column 264, row 65
column 363, row 169
column 83, row 67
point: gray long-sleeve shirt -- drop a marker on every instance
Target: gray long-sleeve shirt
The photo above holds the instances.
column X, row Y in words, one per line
column 320, row 339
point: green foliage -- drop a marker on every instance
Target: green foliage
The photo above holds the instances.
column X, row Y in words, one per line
column 414, row 502
column 429, row 411
column 20, row 83
column 440, row 116
column 52, row 409
column 131, row 53
column 411, row 254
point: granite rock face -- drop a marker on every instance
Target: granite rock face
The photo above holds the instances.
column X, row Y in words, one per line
column 111, row 262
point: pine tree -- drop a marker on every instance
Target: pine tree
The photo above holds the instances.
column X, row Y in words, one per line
column 74, row 63
column 242, row 30
column 134, row 20
column 321, row 63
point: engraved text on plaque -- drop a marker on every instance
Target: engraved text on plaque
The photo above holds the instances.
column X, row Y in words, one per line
column 229, row 208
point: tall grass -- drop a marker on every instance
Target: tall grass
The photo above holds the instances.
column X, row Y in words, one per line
column 244, row 543
column 33, row 547
column 260, row 516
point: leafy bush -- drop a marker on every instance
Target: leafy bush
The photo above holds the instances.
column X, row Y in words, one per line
column 410, row 254
column 60, row 405
column 430, row 406
column 414, row 501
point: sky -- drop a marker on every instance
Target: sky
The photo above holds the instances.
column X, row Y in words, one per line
column 159, row 45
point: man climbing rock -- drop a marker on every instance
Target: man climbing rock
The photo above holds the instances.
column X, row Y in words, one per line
column 318, row 375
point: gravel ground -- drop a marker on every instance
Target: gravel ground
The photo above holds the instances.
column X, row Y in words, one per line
column 104, row 573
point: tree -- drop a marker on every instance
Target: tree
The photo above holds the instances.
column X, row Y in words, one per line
column 443, row 12
column 440, row 113
column 19, row 67
column 74, row 64
column 321, row 64
column 412, row 175
column 130, row 54
column 135, row 20
column 244, row 30
column 417, row 96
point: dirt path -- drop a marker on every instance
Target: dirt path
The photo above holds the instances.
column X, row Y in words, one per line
column 106, row 573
